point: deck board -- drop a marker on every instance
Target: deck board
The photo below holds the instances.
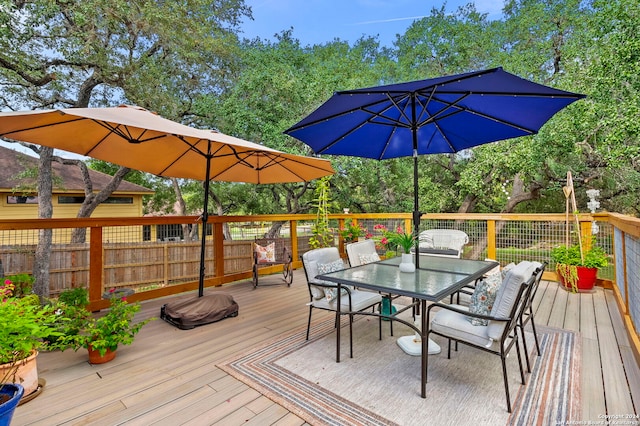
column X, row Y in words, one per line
column 169, row 376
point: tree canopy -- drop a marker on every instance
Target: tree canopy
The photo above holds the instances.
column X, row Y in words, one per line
column 186, row 61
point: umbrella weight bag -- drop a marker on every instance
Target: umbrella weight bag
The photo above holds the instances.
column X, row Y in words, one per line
column 190, row 313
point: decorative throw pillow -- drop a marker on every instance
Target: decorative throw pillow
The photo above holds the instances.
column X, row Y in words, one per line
column 325, row 268
column 483, row 298
column 266, row 253
column 369, row 258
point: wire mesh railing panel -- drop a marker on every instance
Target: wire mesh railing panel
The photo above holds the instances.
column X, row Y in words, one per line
column 620, row 262
column 632, row 249
column 527, row 240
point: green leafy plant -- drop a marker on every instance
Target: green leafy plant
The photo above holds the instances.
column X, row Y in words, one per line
column 71, row 315
column 24, row 328
column 398, row 239
column 114, row 328
column 22, row 284
column 322, row 234
column 595, row 257
column 568, row 258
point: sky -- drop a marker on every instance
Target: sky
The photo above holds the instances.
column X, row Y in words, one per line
column 321, row 21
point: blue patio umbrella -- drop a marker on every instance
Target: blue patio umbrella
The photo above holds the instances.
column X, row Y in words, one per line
column 435, row 116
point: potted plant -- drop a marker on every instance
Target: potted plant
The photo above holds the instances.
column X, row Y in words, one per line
column 102, row 335
column 577, row 269
column 352, row 231
column 403, row 242
column 24, row 330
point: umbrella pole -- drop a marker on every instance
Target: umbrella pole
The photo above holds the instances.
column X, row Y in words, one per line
column 416, row 212
column 205, row 217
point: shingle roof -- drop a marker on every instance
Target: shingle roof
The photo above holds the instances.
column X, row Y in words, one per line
column 13, row 162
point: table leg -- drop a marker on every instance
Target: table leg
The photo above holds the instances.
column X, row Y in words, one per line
column 338, row 324
column 425, row 348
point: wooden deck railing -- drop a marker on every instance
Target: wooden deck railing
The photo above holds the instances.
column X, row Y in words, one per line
column 136, row 252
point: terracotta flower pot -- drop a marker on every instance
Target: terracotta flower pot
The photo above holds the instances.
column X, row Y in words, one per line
column 96, row 358
column 26, row 375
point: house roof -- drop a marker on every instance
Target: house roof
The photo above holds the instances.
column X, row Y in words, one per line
column 13, row 162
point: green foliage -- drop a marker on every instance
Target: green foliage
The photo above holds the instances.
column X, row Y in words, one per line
column 322, row 234
column 395, row 240
column 78, row 296
column 71, row 316
column 24, row 325
column 594, row 257
column 96, row 52
column 22, row 284
column 114, row 328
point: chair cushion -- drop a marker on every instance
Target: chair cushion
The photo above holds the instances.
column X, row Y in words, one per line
column 445, row 251
column 311, row 259
column 483, row 298
column 457, row 325
column 506, row 296
column 325, row 268
column 368, row 258
column 265, row 254
column 506, row 269
column 359, row 299
column 354, row 250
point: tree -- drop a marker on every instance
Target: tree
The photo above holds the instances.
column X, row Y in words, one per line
column 159, row 55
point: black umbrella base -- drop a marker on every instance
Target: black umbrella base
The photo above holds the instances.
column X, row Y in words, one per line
column 191, row 313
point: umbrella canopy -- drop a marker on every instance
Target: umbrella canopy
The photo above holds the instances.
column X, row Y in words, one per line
column 434, row 116
column 136, row 138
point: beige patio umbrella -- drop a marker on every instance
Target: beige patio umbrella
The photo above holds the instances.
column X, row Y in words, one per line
column 138, row 139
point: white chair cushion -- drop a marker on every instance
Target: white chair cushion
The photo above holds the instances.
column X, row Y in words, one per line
column 356, row 250
column 325, row 268
column 506, row 296
column 457, row 325
column 311, row 259
column 359, row 301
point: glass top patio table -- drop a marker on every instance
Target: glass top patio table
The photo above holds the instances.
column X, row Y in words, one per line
column 435, row 279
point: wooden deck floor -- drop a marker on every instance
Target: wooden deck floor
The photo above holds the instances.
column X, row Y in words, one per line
column 169, row 376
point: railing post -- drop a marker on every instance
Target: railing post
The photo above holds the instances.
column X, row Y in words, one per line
column 96, row 265
column 491, row 239
column 585, row 234
column 293, row 234
column 341, row 248
column 218, row 249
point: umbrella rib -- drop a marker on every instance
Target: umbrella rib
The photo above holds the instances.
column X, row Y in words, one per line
column 27, row 129
column 124, row 132
column 458, row 109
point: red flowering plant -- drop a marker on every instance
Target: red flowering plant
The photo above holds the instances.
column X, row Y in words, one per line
column 393, row 241
column 112, row 329
column 352, row 231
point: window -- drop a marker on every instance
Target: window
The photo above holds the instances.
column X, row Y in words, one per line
column 21, row 199
column 118, row 200
column 66, row 199
column 146, row 232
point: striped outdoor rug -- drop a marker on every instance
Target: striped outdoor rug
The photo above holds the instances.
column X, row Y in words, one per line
column 381, row 384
